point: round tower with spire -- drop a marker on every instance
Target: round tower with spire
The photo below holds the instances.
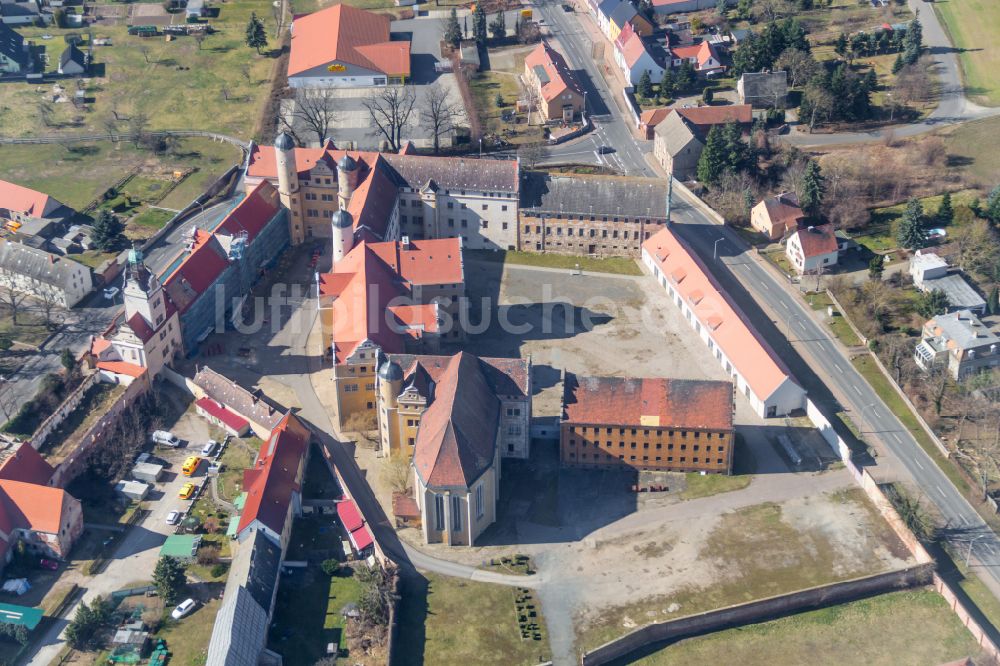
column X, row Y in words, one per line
column 347, row 179
column 342, row 226
column 288, row 178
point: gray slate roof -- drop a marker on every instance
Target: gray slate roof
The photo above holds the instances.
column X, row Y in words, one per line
column 37, row 264
column 454, row 173
column 12, row 45
column 72, row 53
column 598, row 195
column 676, row 133
column 622, row 14
column 960, row 294
column 965, row 329
column 252, row 406
column 765, row 86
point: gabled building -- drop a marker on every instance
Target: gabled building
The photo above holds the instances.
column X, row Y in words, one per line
column 778, row 215
column 15, row 55
column 703, row 57
column 756, row 370
column 456, row 457
column 679, row 139
column 812, row 249
column 650, row 119
column 274, row 484
column 28, row 212
column 262, row 415
column 634, row 57
column 560, row 96
column 407, row 385
column 678, row 425
column 345, row 47
column 43, row 274
column 385, row 298
column 960, row 342
column 20, row 12
column 72, row 61
column 389, row 195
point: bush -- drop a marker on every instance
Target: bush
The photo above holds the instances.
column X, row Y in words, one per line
column 208, row 554
column 330, row 567
column 219, row 569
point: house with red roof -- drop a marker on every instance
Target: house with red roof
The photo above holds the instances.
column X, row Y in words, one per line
column 343, row 46
column 273, row 485
column 29, row 212
column 812, row 249
column 387, row 298
column 560, row 96
column 634, row 57
column 757, row 372
column 703, row 57
column 778, row 215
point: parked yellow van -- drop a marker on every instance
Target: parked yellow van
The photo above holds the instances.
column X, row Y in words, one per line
column 190, row 465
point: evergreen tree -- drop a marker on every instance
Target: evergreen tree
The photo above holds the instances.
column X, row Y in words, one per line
column 256, row 36
column 712, row 162
column 685, row 78
column 897, row 65
column 169, row 578
column 805, row 5
column 743, row 9
column 479, row 24
column 707, row 95
column 499, row 26
column 667, row 84
column 945, row 213
column 871, row 80
column 932, row 303
column 913, row 42
column 813, row 189
column 737, row 152
column 108, row 231
column 645, row 87
column 876, row 267
column 840, row 46
column 452, row 30
column 748, row 201
column 721, row 7
column 992, row 210
column 67, row 360
column 993, row 303
column 911, row 233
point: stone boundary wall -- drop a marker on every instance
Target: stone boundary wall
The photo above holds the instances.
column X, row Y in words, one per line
column 697, row 202
column 55, row 419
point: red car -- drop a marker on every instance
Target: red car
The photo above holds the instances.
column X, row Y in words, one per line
column 51, row 565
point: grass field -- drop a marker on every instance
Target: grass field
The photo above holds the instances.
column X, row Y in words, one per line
column 219, row 86
column 77, row 176
column 187, row 639
column 910, row 627
column 618, row 265
column 973, row 26
column 485, row 86
column 459, row 622
column 979, row 158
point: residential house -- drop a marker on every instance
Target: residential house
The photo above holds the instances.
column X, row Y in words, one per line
column 812, row 249
column 44, row 275
column 15, row 54
column 625, row 14
column 634, row 57
column 274, row 484
column 931, row 273
column 703, row 57
column 649, row 119
column 391, row 195
column 763, row 90
column 385, row 298
column 559, row 94
column 28, row 212
column 590, row 215
column 960, row 342
column 456, row 457
column 677, row 425
column 407, row 386
column 345, row 47
column 73, row 61
column 262, row 415
column 679, row 139
column 665, row 7
column 778, row 215
column 20, row 12
column 756, row 370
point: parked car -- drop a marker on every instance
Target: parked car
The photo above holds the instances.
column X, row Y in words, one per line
column 111, row 292
column 183, row 608
column 209, row 448
column 51, row 565
column 166, row 438
column 187, row 490
column 174, row 517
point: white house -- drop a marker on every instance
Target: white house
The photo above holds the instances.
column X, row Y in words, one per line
column 812, row 249
column 633, row 58
column 40, row 273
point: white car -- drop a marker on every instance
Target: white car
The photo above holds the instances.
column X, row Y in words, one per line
column 208, row 448
column 165, row 438
column 183, row 608
column 111, row 292
column 173, row 517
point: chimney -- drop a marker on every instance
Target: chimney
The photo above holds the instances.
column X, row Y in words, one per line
column 52, row 258
column 405, row 242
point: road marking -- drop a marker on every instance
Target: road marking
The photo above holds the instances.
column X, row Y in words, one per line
column 784, row 304
column 918, row 463
column 896, row 437
column 800, row 324
column 875, row 412
column 965, row 521
column 839, row 369
column 856, row 389
column 941, row 492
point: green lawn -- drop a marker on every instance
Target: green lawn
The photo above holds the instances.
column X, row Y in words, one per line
column 744, row 466
column 618, row 265
column 151, row 218
column 188, row 639
column 455, row 622
column 239, row 455
column 972, row 26
column 29, row 330
column 965, row 142
column 909, row 627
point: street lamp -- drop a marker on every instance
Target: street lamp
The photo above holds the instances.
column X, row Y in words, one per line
column 715, row 249
column 968, row 555
column 480, row 147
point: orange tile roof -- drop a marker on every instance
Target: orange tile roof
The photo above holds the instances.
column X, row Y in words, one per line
column 347, row 35
column 703, row 117
column 437, row 261
column 665, row 403
column 783, row 209
column 700, row 52
column 22, row 199
column 21, row 462
column 747, row 351
column 653, row 117
column 816, row 241
column 32, row 506
column 271, row 483
column 551, row 61
column 122, row 368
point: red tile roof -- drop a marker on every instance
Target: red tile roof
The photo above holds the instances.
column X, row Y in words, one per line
column 664, row 403
column 271, row 483
column 121, row 368
column 349, row 515
column 23, row 463
column 347, row 35
column 703, row 117
column 424, row 262
column 784, row 209
column 561, row 80
column 817, row 241
column 746, row 349
column 215, row 410
column 653, row 117
column 22, row 199
column 362, row 538
column 252, row 214
column 702, row 53
column 31, row 506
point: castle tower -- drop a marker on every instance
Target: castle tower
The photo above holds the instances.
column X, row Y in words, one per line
column 288, row 181
column 347, row 180
column 143, row 292
column 390, row 379
column 342, row 224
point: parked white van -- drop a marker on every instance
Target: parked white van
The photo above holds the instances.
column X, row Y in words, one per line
column 166, row 438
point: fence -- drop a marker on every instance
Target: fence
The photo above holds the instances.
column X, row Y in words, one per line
column 630, row 108
column 123, row 137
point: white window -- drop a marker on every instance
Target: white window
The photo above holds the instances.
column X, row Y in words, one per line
column 479, row 502
column 438, row 513
column 456, row 514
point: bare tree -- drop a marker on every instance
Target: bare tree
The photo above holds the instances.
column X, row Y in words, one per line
column 110, row 124
column 316, row 110
column 138, row 123
column 199, row 38
column 440, row 113
column 246, row 72
column 913, row 84
column 11, row 296
column 532, row 153
column 48, row 304
column 531, row 100
column 144, row 50
column 389, row 109
column 397, row 472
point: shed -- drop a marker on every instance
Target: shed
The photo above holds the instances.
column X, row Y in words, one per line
column 134, row 490
column 469, row 55
column 148, row 472
column 221, row 416
column 181, row 546
column 23, row 616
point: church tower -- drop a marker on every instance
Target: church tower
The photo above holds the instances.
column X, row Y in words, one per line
column 143, row 292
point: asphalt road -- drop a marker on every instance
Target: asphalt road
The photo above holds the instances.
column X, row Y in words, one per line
column 821, row 366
